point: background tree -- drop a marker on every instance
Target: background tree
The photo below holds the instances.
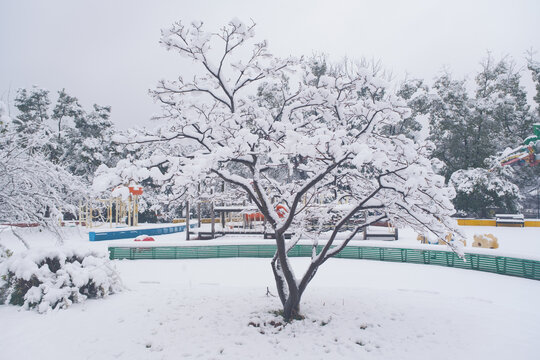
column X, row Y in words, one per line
column 32, row 188
column 330, row 128
column 90, row 142
column 33, row 107
column 480, row 191
column 69, row 135
column 501, row 104
column 534, row 68
column 470, row 128
column 455, row 135
column 65, row 113
column 416, row 93
column 4, row 118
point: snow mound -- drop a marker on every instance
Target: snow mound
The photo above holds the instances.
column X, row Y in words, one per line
column 49, row 279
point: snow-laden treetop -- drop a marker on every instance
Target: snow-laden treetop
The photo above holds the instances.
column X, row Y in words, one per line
column 284, row 131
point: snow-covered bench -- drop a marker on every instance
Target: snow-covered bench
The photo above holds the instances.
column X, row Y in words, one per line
column 509, row 219
column 380, row 232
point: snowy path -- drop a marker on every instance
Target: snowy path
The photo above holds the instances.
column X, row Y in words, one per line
column 202, row 308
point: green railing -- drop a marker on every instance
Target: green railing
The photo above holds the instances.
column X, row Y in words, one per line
column 529, row 269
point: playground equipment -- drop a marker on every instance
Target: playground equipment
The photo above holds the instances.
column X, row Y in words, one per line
column 527, row 153
column 432, row 240
column 121, row 208
column 488, row 241
column 238, row 219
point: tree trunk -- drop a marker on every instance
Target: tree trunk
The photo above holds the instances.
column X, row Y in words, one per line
column 286, row 283
column 290, row 300
column 291, row 309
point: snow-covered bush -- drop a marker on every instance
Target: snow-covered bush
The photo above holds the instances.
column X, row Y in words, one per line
column 478, row 190
column 54, row 279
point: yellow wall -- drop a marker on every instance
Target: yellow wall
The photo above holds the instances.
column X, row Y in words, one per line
column 532, row 223
column 476, row 222
column 488, row 222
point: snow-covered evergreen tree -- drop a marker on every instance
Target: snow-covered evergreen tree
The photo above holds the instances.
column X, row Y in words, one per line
column 468, row 129
column 501, row 104
column 534, row 68
column 70, row 136
column 482, row 191
column 4, row 118
column 418, row 98
column 459, row 142
column 65, row 112
column 32, row 188
column 33, row 107
column 89, row 142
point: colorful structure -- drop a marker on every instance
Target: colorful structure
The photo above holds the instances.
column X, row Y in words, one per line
column 124, row 203
column 527, row 153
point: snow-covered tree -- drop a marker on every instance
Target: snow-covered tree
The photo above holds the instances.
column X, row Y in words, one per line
column 77, row 139
column 4, row 118
column 418, row 98
column 330, row 137
column 501, row 104
column 89, row 142
column 459, row 142
column 479, row 190
column 33, row 108
column 33, row 189
column 534, row 68
column 470, row 128
column 67, row 107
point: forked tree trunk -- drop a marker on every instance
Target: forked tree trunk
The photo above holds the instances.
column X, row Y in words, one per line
column 289, row 289
column 290, row 301
column 286, row 284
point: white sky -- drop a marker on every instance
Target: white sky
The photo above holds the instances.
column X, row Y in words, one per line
column 107, row 51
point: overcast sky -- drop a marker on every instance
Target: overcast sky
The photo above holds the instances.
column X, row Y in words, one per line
column 107, row 51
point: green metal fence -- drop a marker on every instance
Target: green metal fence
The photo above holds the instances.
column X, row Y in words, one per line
column 529, row 269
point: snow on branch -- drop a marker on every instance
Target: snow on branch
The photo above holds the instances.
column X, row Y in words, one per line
column 283, row 132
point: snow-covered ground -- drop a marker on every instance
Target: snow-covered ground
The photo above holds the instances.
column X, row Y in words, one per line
column 516, row 242
column 219, row 309
column 354, row 310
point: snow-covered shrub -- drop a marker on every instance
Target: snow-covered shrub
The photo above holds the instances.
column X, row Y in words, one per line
column 55, row 278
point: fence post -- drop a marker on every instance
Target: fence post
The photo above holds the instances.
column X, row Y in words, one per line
column 403, row 255
column 500, row 269
column 450, row 257
column 427, row 259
